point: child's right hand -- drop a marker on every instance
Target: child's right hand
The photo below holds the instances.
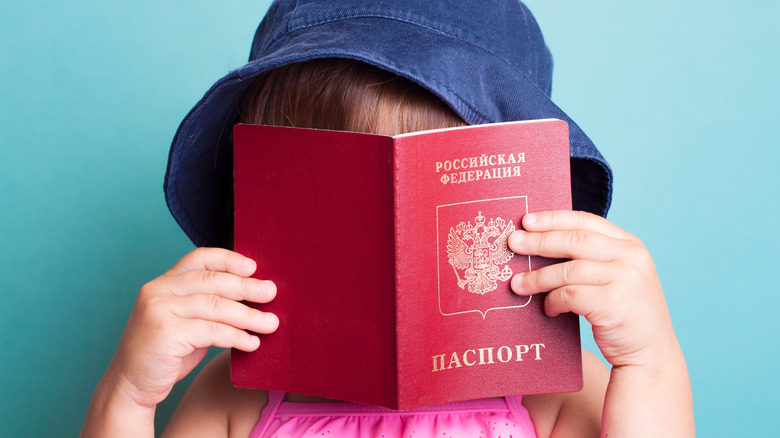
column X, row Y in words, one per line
column 177, row 316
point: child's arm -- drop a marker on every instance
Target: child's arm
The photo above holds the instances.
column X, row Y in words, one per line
column 212, row 406
column 177, row 316
column 611, row 281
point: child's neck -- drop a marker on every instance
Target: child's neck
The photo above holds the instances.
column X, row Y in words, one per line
column 302, row 398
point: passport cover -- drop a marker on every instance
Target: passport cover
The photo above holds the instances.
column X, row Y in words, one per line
column 390, row 258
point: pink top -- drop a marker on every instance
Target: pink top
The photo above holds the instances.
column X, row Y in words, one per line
column 499, row 417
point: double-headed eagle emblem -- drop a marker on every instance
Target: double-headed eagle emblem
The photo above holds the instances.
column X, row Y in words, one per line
column 483, row 257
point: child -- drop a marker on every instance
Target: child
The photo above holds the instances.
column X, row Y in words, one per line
column 388, row 67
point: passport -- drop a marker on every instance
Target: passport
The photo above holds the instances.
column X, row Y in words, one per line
column 391, row 262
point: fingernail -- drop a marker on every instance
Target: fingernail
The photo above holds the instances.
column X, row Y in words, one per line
column 517, row 283
column 530, row 218
column 517, row 237
column 256, row 340
column 268, row 288
column 271, row 320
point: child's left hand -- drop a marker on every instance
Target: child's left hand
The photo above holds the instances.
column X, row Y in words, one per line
column 610, row 280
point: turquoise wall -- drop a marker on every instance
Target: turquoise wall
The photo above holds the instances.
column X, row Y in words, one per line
column 679, row 95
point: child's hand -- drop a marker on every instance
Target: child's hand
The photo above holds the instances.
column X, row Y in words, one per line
column 610, row 280
column 177, row 316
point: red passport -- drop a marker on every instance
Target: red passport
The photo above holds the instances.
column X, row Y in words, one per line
column 391, row 262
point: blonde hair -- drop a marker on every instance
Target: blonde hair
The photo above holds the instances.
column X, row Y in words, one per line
column 344, row 95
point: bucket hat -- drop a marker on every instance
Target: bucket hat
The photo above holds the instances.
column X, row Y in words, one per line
column 486, row 59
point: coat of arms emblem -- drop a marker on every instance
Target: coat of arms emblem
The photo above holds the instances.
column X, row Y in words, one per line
column 479, row 251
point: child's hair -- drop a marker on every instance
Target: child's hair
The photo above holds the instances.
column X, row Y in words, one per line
column 487, row 61
column 344, row 95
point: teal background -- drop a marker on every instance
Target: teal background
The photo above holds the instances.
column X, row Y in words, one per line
column 679, row 95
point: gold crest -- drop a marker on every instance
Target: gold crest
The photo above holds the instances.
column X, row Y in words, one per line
column 480, row 260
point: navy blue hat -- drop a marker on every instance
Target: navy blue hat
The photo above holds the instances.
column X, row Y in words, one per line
column 486, row 59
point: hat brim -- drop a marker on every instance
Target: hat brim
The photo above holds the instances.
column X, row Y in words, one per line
column 198, row 182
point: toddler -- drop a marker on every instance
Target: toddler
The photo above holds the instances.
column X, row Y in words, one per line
column 389, row 67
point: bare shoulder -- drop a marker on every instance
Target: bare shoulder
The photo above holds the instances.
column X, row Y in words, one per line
column 213, row 407
column 576, row 413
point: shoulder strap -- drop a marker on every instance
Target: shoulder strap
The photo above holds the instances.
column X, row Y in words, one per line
column 520, row 414
column 274, row 400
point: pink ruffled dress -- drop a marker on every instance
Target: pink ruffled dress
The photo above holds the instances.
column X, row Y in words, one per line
column 488, row 418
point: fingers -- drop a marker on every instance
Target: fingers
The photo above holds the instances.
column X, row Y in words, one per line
column 199, row 300
column 565, row 220
column 582, row 300
column 603, row 257
column 203, row 334
column 214, row 308
column 574, row 244
column 572, row 234
column 611, row 280
column 223, row 284
column 575, row 272
column 577, row 286
column 214, row 259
